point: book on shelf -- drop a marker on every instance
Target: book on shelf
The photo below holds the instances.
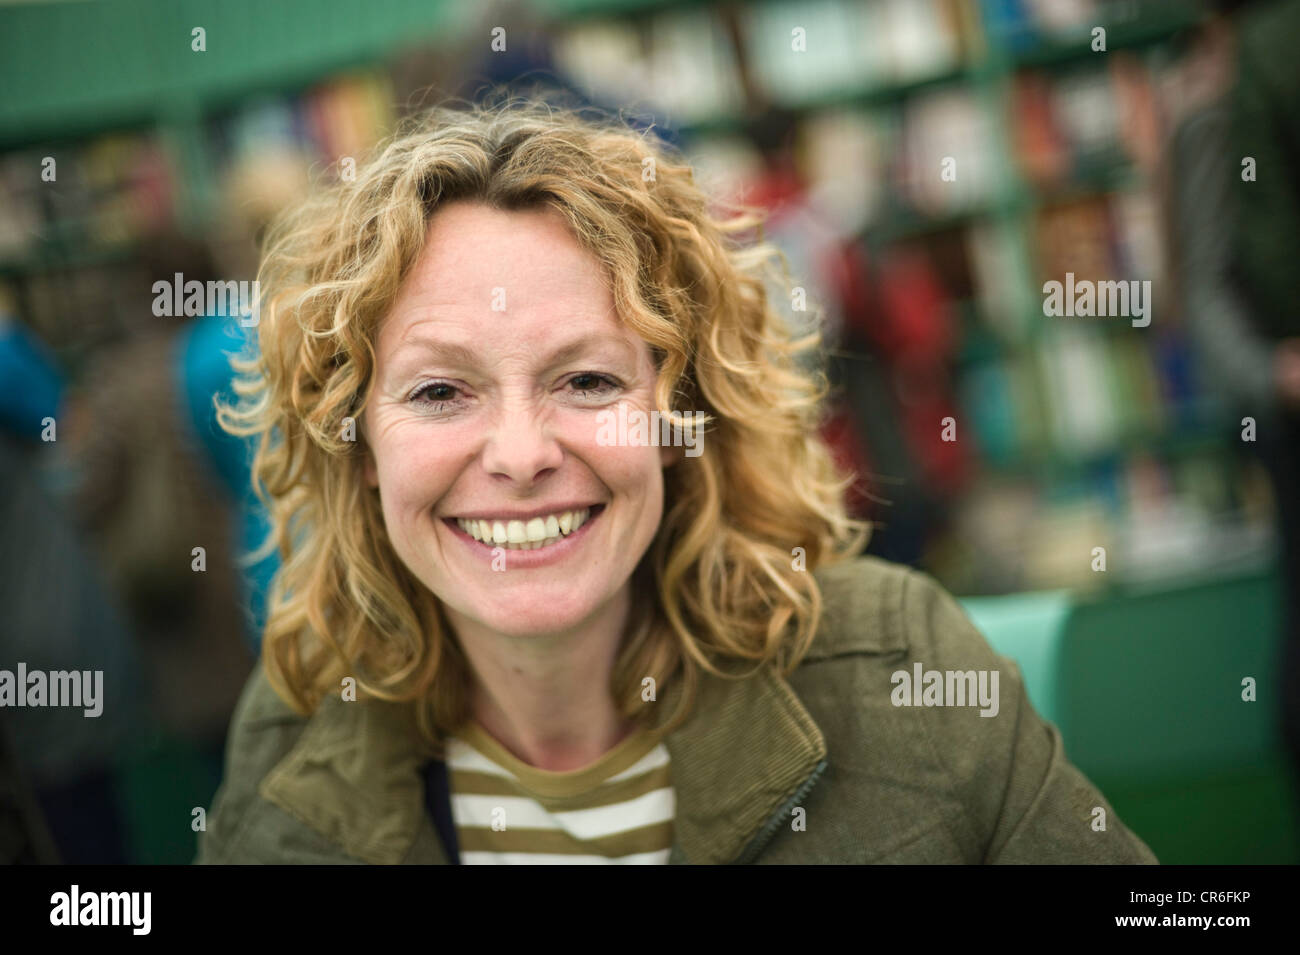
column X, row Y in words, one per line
column 1041, row 145
column 692, row 67
column 605, row 60
column 920, row 38
column 949, row 154
column 1003, row 297
column 803, row 51
column 1086, row 125
column 799, row 51
column 844, row 157
column 1076, row 373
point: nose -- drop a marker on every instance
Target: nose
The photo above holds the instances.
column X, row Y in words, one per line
column 521, row 448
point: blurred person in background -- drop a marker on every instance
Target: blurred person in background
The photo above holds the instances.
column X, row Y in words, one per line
column 58, row 799
column 256, row 190
column 147, row 498
column 1234, row 158
column 888, row 340
column 135, row 487
column 1265, row 247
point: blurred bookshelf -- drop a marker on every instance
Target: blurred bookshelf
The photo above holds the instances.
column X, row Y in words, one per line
column 1073, row 432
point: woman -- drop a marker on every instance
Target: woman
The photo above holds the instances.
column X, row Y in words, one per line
column 567, row 575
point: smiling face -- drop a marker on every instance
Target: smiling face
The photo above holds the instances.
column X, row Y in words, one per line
column 492, row 368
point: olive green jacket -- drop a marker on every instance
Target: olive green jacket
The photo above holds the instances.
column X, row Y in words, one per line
column 875, row 782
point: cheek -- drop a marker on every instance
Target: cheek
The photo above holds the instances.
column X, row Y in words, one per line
column 412, row 466
column 634, row 473
column 628, row 470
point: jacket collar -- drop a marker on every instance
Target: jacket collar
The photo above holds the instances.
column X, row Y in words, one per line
column 746, row 750
column 748, row 747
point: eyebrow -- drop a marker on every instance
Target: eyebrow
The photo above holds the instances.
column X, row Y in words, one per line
column 457, row 354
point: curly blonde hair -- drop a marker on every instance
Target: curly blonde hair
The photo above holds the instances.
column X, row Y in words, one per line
column 718, row 583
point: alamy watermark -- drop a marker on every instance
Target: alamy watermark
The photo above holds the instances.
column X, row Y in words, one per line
column 176, row 297
column 84, row 688
column 75, row 907
column 924, row 687
column 633, row 428
column 1086, row 299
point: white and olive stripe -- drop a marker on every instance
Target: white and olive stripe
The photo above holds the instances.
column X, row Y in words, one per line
column 617, row 810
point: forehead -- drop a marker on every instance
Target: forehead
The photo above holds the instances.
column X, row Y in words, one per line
column 490, row 276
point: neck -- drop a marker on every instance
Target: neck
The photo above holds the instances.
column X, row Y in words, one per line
column 546, row 698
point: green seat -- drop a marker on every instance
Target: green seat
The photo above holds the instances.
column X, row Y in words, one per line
column 1030, row 629
column 1146, row 689
column 1155, row 677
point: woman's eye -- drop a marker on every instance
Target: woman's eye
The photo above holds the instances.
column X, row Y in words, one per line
column 436, row 395
column 590, row 382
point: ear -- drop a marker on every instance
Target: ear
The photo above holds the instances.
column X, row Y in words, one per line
column 668, row 455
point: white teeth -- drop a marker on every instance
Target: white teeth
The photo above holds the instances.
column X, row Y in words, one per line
column 533, row 534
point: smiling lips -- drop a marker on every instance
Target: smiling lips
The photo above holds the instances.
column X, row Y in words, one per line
column 533, row 534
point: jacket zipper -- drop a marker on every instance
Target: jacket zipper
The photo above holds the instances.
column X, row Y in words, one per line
column 764, row 836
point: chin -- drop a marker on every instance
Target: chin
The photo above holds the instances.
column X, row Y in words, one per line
column 531, row 625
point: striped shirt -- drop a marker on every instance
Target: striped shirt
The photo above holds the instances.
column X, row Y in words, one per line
column 617, row 810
